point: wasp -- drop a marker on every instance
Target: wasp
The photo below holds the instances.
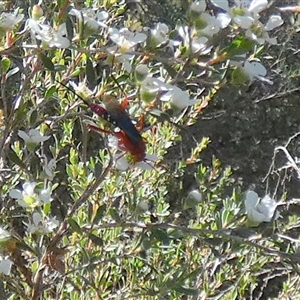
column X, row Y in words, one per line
column 129, row 137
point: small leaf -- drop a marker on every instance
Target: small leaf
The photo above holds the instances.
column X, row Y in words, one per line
column 186, row 291
column 70, row 30
column 99, row 214
column 96, row 240
column 77, row 72
column 146, row 244
column 13, row 157
column 46, row 61
column 161, row 235
column 171, row 71
column 60, row 68
column 239, row 46
column 160, row 115
column 114, row 214
column 50, row 91
column 5, row 64
column 90, row 72
column 33, row 117
column 74, row 225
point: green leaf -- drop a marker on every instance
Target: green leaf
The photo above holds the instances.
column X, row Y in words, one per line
column 5, row 64
column 46, row 61
column 99, row 214
column 59, row 68
column 90, row 72
column 186, row 291
column 70, row 29
column 74, row 225
column 161, row 235
column 13, row 157
column 171, row 71
column 239, row 46
column 50, row 91
column 239, row 77
column 77, row 72
column 160, row 115
column 96, row 240
column 146, row 244
column 33, row 117
column 114, row 214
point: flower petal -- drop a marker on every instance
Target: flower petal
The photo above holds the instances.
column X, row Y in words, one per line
column 257, row 6
column 29, row 187
column 224, row 20
column 267, row 207
column 16, row 194
column 5, row 266
column 251, row 201
column 220, row 3
column 273, row 22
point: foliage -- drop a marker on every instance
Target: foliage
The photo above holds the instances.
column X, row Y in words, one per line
column 83, row 216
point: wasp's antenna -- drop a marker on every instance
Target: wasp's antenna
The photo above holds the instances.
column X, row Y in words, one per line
column 73, row 91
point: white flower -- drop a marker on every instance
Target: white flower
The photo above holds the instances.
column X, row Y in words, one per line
column 28, row 197
column 49, row 167
column 42, row 225
column 5, row 266
column 160, row 33
column 33, row 138
column 123, row 58
column 154, row 85
column 178, row 98
column 91, row 19
column 193, row 41
column 206, row 24
column 126, row 39
column 45, row 196
column 256, row 70
column 244, row 13
column 81, row 89
column 224, row 20
column 45, row 33
column 259, row 32
column 256, row 6
column 9, row 20
column 123, row 164
column 123, row 160
column 210, row 25
column 259, row 211
column 150, row 87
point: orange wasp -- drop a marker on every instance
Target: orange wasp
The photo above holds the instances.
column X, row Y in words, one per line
column 129, row 138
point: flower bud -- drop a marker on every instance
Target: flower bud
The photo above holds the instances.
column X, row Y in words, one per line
column 141, row 72
column 192, row 200
column 147, row 96
column 196, row 9
column 37, row 12
column 239, row 77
